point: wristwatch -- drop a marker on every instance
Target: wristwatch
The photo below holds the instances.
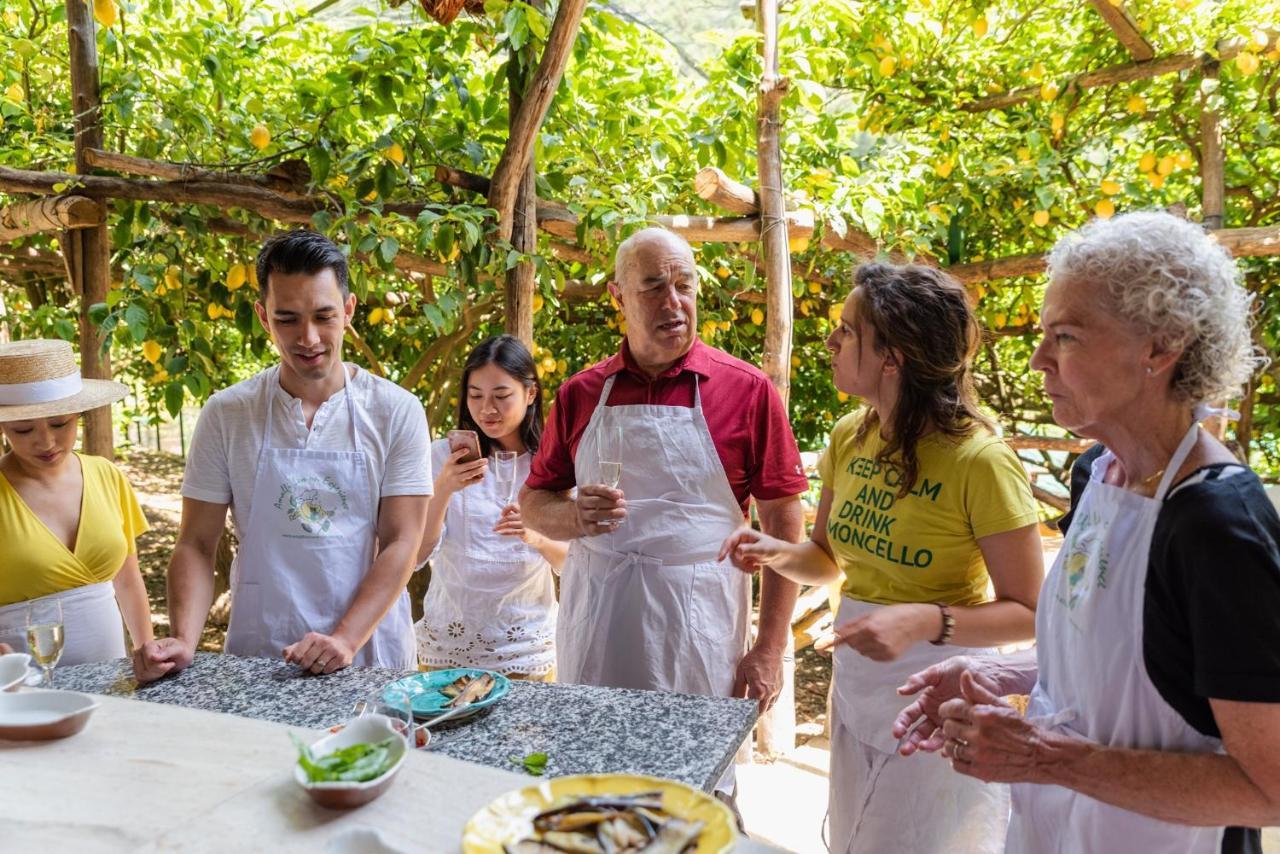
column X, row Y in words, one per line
column 948, row 626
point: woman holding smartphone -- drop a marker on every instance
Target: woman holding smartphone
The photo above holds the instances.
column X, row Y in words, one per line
column 491, row 602
column 922, row 506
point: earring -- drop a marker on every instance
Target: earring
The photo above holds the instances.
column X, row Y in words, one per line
column 1148, row 372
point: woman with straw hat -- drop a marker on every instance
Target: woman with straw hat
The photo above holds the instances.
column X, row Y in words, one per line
column 68, row 520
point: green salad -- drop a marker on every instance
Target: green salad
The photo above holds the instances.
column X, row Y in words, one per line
column 353, row 764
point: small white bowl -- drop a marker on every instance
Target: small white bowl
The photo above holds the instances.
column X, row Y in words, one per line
column 368, row 729
column 43, row 715
column 14, row 670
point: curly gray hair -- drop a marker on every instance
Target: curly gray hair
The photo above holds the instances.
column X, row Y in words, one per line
column 1166, row 277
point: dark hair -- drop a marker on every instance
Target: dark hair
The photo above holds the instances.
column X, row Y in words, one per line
column 923, row 316
column 508, row 353
column 301, row 251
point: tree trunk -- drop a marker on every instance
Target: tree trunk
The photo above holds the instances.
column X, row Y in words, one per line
column 90, row 247
column 522, row 278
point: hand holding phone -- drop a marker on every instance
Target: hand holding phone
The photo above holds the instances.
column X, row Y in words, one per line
column 459, row 439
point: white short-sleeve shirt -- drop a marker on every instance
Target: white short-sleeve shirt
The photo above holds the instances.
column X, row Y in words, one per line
column 223, row 458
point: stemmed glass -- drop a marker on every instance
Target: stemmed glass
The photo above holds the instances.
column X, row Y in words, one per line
column 395, row 706
column 610, row 457
column 504, row 473
column 44, row 636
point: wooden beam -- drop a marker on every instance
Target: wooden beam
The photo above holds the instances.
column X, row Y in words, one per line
column 88, row 250
column 1213, row 188
column 1125, row 28
column 775, row 253
column 1031, row 264
column 518, row 152
column 1126, row 73
column 716, row 187
column 1044, row 496
column 1049, row 443
column 1249, row 242
column 289, row 178
column 50, row 214
column 31, row 260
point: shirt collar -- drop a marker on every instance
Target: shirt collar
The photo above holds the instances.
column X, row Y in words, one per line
column 697, row 360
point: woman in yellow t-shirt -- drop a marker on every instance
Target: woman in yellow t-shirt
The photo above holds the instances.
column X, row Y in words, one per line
column 68, row 521
column 922, row 506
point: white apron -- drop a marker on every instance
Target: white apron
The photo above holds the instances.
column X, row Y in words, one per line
column 307, row 547
column 647, row 605
column 92, row 627
column 492, row 599
column 1092, row 678
column 882, row 801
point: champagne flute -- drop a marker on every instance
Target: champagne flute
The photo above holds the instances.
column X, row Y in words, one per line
column 610, row 457
column 45, row 636
column 504, row 473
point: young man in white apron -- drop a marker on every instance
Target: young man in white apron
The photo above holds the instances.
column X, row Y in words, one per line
column 644, row 601
column 326, row 470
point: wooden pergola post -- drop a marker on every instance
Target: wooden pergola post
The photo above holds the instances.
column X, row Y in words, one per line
column 522, row 278
column 777, row 730
column 88, row 250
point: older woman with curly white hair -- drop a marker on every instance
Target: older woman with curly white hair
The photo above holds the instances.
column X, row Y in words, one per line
column 1154, row 718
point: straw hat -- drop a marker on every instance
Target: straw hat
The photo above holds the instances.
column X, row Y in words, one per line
column 40, row 379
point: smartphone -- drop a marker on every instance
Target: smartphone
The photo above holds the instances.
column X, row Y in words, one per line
column 465, row 439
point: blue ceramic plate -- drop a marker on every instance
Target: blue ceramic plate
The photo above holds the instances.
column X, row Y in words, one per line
column 427, row 701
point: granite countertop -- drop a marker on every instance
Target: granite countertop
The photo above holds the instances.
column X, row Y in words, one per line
column 582, row 729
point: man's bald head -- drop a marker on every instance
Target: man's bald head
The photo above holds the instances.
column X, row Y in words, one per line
column 656, row 283
column 627, row 258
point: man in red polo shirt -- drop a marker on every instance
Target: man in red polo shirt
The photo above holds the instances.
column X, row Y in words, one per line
column 644, row 602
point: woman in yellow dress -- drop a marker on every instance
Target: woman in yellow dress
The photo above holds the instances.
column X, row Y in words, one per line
column 68, row 521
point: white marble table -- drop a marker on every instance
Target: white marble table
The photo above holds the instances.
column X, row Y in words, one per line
column 148, row 777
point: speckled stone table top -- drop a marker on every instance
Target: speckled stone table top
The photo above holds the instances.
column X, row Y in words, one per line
column 582, row 729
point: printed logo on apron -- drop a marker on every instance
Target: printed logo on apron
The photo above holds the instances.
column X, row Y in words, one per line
column 312, row 501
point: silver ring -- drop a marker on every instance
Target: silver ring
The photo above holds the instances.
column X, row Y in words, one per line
column 322, row 664
column 955, row 752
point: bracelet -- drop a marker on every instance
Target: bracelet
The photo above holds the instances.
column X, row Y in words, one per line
column 948, row 626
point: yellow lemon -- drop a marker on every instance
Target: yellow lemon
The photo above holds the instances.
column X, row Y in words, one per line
column 1183, row 159
column 236, row 277
column 212, row 310
column 1057, row 122
column 1105, row 209
column 1147, row 162
column 980, row 26
column 548, row 364
column 798, row 244
column 835, row 312
column 842, row 396
column 888, row 65
column 1049, row 91
column 151, row 351
column 172, row 279
column 1000, row 320
column 1136, row 105
column 538, row 302
column 389, row 316
column 370, row 196
column 1110, row 187
column 795, row 361
column 394, row 153
column 14, row 93
column 561, row 366
column 725, row 326
column 1040, row 218
column 260, row 137
column 1165, row 166
column 160, row 290
column 375, row 315
column 1156, row 179
column 106, row 13
column 944, row 168
column 1247, row 63
column 708, row 330
column 722, row 273
column 815, row 287
column 757, row 316
column 1024, row 154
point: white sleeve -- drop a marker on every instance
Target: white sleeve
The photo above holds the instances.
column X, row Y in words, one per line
column 208, row 476
column 439, row 452
column 408, row 466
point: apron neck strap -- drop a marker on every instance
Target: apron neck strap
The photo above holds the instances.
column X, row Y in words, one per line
column 1179, row 457
column 274, row 383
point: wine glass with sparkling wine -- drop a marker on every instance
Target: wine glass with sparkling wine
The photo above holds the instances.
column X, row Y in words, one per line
column 610, row 457
column 504, row 474
column 44, row 636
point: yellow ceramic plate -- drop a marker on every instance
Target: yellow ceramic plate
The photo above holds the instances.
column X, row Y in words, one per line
column 509, row 818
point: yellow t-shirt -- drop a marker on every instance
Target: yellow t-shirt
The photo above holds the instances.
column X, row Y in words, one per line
column 922, row 547
column 36, row 563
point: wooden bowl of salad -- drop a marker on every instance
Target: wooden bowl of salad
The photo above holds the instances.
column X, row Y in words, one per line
column 353, row 766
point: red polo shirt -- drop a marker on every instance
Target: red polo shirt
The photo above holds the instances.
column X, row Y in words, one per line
column 746, row 418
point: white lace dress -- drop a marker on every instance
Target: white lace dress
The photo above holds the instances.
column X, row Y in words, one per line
column 491, row 602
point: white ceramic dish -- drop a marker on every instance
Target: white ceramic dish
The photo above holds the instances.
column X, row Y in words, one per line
column 42, row 715
column 368, row 729
column 15, row 668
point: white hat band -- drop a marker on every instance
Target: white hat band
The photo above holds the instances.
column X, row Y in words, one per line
column 41, row 391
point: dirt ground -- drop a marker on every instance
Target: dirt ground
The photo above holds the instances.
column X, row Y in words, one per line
column 157, row 477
